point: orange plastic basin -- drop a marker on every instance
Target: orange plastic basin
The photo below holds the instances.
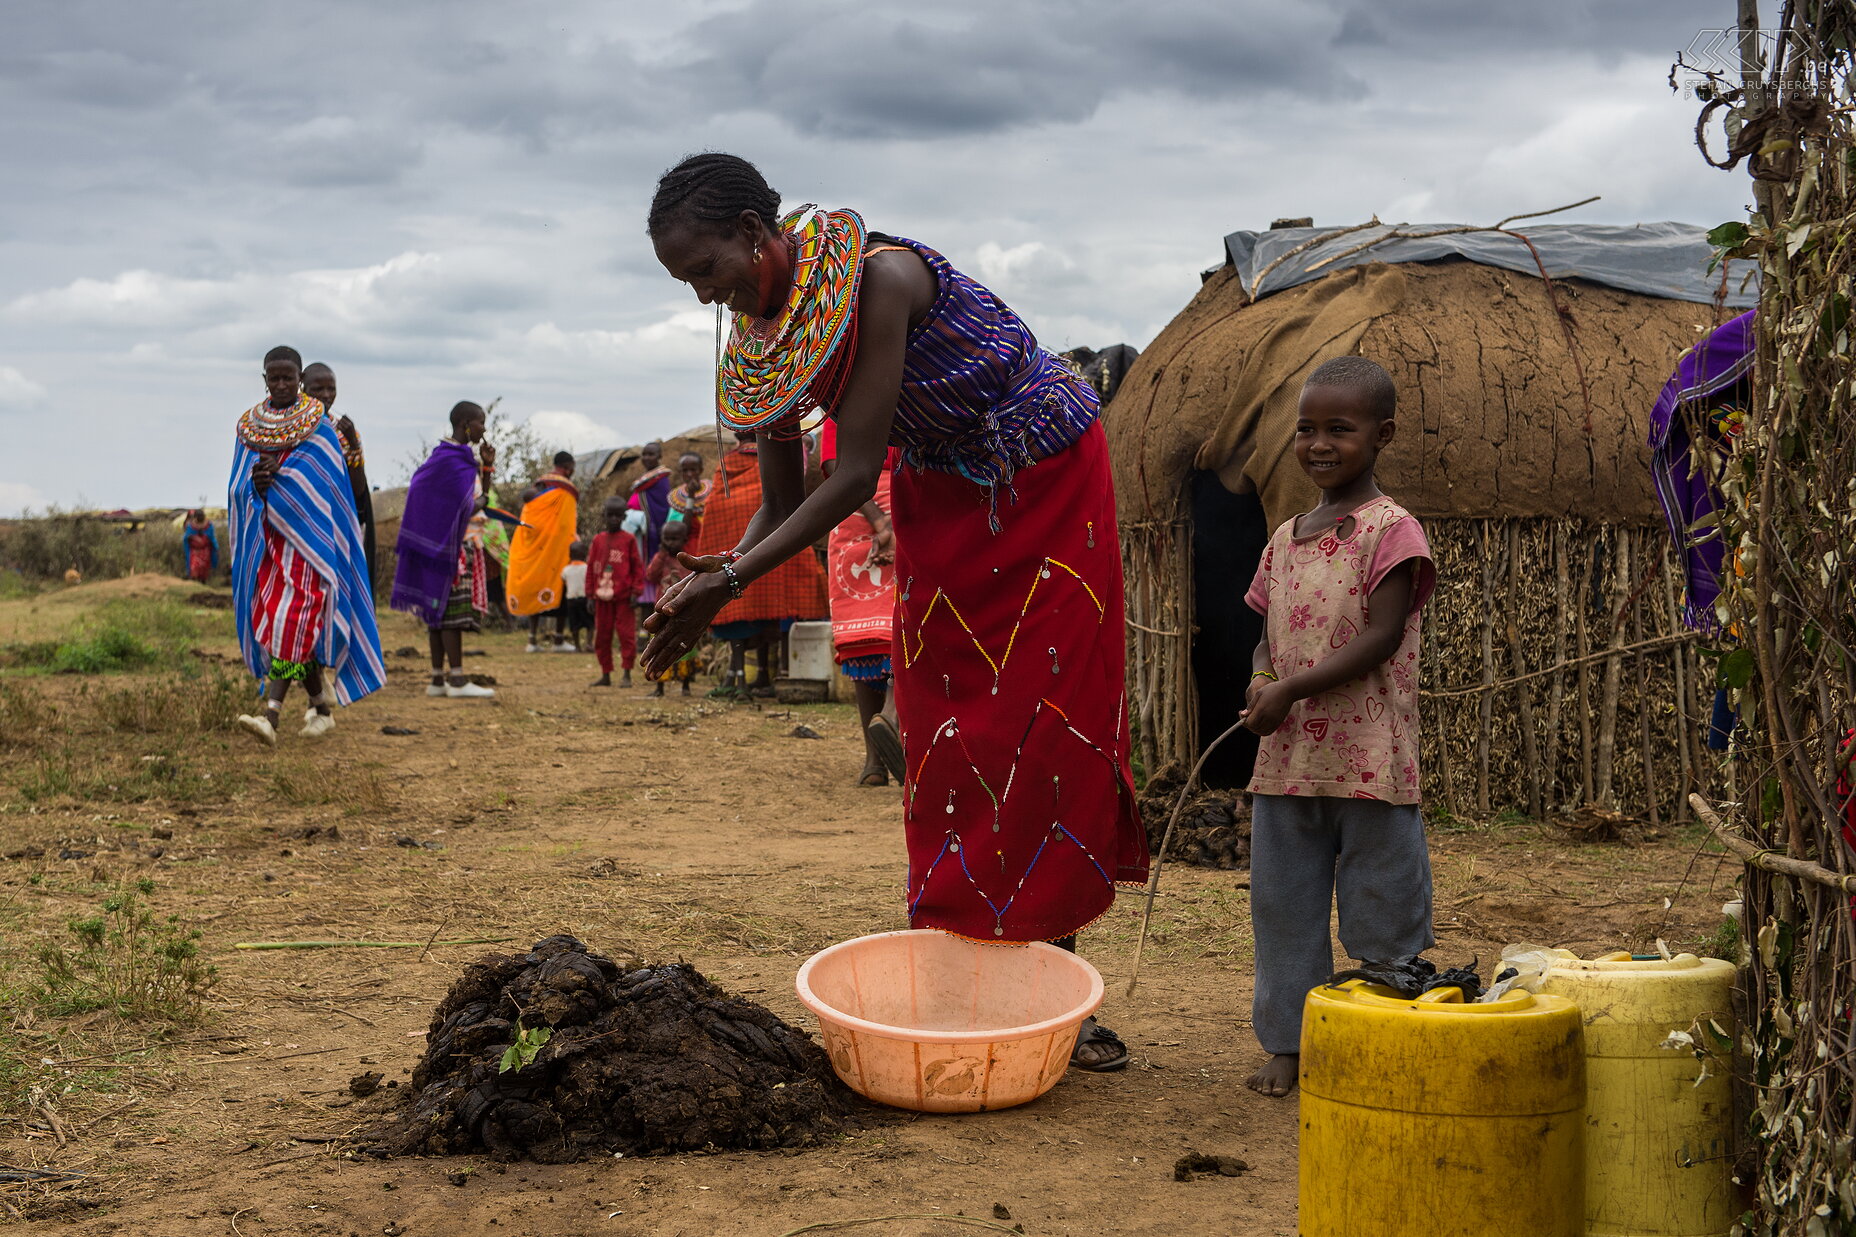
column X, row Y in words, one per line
column 924, row 1020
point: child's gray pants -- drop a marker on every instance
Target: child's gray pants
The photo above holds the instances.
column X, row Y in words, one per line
column 1306, row 852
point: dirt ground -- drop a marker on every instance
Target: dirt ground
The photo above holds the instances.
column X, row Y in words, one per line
column 662, row 829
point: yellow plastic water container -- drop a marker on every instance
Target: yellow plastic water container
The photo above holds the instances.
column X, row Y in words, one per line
column 1658, row 1146
column 1436, row 1118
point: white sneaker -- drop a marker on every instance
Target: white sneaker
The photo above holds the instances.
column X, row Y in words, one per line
column 532, row 647
column 315, row 724
column 259, row 727
column 469, row 691
column 565, row 648
column 434, row 689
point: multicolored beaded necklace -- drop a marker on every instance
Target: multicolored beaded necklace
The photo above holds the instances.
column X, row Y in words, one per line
column 691, row 504
column 802, row 359
column 264, row 428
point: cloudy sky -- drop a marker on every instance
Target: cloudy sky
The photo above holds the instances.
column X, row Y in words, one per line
column 445, row 200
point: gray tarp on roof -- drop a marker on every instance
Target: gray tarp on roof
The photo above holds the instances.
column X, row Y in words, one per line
column 1668, row 260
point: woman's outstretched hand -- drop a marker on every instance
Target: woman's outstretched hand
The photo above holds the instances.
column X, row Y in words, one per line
column 685, row 611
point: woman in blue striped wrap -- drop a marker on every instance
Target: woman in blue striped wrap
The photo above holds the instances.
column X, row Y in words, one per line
column 300, row 588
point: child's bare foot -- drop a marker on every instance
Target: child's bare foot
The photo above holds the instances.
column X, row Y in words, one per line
column 604, row 680
column 1276, row 1077
column 686, row 687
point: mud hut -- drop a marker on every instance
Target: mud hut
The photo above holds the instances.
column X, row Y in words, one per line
column 1556, row 673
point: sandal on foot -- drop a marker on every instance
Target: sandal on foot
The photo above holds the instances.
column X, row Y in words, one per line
column 873, row 777
column 1092, row 1033
column 887, row 745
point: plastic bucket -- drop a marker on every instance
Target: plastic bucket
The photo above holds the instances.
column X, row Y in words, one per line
column 924, row 1020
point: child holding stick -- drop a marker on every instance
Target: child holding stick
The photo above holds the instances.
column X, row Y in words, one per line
column 1334, row 806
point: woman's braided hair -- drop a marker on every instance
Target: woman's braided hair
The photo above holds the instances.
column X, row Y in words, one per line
column 711, row 189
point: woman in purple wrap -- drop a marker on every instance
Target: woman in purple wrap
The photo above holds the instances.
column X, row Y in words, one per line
column 441, row 575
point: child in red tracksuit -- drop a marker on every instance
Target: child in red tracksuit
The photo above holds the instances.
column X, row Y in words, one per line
column 614, row 574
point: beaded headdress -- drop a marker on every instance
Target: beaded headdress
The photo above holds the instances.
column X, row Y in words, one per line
column 264, row 428
column 801, row 359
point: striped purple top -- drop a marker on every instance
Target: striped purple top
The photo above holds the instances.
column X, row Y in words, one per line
column 979, row 396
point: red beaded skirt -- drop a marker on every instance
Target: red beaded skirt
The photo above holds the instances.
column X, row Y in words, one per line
column 1009, row 659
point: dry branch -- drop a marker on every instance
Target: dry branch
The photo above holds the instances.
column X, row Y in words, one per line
column 1766, row 859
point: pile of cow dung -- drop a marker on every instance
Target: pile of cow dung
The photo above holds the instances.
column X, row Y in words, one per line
column 638, row 1061
column 1213, row 829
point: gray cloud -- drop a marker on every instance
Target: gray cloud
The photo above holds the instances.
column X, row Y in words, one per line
column 445, row 198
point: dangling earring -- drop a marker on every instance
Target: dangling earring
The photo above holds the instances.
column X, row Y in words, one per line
column 757, row 253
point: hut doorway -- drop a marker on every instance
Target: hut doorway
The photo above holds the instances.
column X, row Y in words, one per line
column 1229, row 534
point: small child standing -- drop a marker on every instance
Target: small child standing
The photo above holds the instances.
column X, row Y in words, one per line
column 663, row 573
column 1334, row 693
column 614, row 574
column 577, row 614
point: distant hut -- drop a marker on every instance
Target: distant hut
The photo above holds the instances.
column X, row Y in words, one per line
column 1555, row 671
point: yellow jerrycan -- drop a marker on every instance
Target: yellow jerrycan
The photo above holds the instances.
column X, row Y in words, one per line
column 1658, row 1147
column 1436, row 1118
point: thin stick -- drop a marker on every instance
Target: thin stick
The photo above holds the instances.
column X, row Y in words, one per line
column 235, row 1215
column 969, row 1221
column 1768, row 860
column 1535, row 214
column 1556, row 691
column 469, row 940
column 1582, row 630
column 1523, row 698
column 313, row 1052
column 1250, row 293
column 1166, row 839
column 436, row 929
column 1486, row 706
column 1614, row 669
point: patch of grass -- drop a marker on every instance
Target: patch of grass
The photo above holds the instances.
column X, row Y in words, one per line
column 182, row 704
column 1725, row 943
column 47, row 778
column 25, row 717
column 124, row 960
column 115, row 777
column 27, row 1082
column 29, row 655
column 123, row 634
column 112, row 648
column 309, row 783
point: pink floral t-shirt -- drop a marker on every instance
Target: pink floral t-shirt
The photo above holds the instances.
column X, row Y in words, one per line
column 1359, row 740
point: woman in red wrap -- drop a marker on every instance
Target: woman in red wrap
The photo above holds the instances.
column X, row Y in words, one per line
column 1008, row 650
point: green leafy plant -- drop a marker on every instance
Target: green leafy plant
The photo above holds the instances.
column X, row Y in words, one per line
column 125, row 960
column 527, row 1046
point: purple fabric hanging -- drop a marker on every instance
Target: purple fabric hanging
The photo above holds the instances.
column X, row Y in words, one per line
column 438, row 509
column 1715, row 365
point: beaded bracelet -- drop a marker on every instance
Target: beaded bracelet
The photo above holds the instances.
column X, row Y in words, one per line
column 735, row 587
column 1268, row 674
column 733, row 556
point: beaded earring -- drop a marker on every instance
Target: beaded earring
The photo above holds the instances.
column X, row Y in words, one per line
column 757, row 254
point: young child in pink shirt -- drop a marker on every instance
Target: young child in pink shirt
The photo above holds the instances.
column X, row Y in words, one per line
column 1334, row 695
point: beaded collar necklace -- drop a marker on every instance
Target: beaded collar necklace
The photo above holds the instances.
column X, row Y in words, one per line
column 264, row 428
column 801, row 360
